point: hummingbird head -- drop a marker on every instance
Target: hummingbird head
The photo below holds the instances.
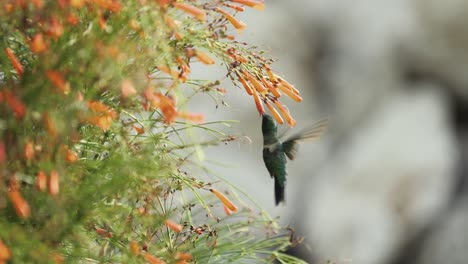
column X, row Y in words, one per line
column 269, row 126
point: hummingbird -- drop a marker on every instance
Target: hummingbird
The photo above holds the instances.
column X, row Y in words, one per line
column 276, row 151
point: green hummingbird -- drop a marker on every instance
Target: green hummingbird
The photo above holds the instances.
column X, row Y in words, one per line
column 276, row 151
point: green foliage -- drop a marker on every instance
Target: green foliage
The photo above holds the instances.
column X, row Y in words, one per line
column 93, row 155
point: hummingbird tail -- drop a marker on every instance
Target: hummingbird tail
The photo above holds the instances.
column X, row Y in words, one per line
column 279, row 192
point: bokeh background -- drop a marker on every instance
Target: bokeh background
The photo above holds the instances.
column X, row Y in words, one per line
column 388, row 182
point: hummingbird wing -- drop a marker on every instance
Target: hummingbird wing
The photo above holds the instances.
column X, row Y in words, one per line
column 314, row 132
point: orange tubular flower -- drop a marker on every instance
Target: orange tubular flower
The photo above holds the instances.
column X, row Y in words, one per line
column 173, row 226
column 57, row 80
column 272, row 88
column 189, row 9
column 127, row 89
column 247, row 87
column 5, row 253
column 239, row 25
column 15, row 104
column 2, row 152
column 258, row 86
column 224, row 200
column 258, row 103
column 203, row 57
column 21, row 206
column 152, row 259
column 71, row 156
column 41, row 181
column 235, row 7
column 53, row 183
column 16, row 63
column 289, row 92
column 275, row 113
column 285, row 112
column 28, row 150
column 286, row 84
column 37, row 43
column 259, row 5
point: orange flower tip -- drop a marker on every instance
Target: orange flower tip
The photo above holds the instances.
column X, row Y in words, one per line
column 21, row 206
column 41, row 181
column 189, row 9
column 231, row 206
column 173, row 226
column 230, row 37
column 127, row 89
column 53, row 183
column 152, row 259
column 37, row 44
column 5, row 253
column 15, row 62
column 259, row 5
column 204, row 58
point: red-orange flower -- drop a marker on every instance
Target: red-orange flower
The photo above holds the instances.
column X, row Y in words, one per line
column 258, row 103
column 55, row 28
column 58, row 81
column 231, row 206
column 239, row 25
column 15, row 104
column 41, row 181
column 2, row 152
column 53, row 183
column 28, row 150
column 38, row 44
column 235, row 7
column 21, row 206
column 152, row 259
column 127, row 89
column 285, row 112
column 71, row 156
column 173, row 226
column 256, row 84
column 103, row 115
column 5, row 253
column 275, row 113
column 103, row 232
column 244, row 83
column 189, row 9
column 183, row 256
column 16, row 63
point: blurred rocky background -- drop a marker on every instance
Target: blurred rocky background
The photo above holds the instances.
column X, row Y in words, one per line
column 388, row 182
